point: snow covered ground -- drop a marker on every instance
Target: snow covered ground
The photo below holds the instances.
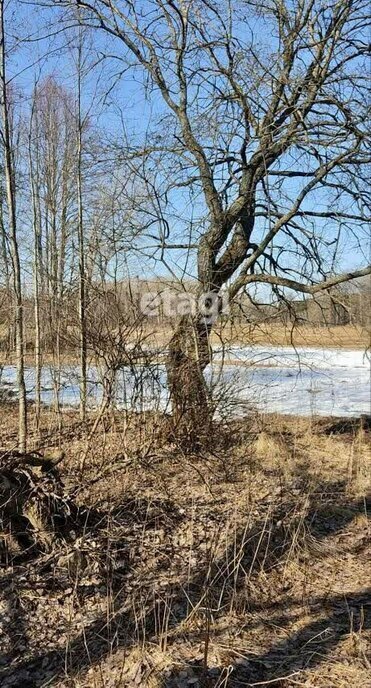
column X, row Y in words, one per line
column 302, row 381
column 311, row 357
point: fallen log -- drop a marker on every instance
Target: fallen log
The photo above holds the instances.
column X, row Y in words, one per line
column 32, row 501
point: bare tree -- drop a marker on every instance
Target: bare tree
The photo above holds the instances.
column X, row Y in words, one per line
column 37, row 249
column 263, row 118
column 13, row 234
column 81, row 236
column 53, row 163
column 5, row 264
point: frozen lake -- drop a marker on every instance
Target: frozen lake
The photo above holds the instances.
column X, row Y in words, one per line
column 302, row 381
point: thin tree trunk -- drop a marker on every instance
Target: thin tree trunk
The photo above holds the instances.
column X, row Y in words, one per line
column 81, row 243
column 36, row 273
column 10, row 193
column 4, row 249
column 38, row 359
column 8, row 288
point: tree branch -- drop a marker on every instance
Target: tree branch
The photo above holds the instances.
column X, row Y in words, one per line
column 297, row 286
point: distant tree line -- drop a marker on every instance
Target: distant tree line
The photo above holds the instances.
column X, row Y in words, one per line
column 103, row 301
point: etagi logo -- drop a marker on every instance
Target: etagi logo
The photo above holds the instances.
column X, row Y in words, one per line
column 171, row 305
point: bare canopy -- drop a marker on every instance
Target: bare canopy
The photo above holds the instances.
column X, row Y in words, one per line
column 263, row 119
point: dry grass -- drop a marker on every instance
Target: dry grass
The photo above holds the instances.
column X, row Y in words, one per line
column 243, row 566
column 341, row 336
column 276, row 334
column 273, row 334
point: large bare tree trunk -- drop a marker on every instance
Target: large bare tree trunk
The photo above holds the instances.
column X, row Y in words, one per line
column 10, row 193
column 189, row 354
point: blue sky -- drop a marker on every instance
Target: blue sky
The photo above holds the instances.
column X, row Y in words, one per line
column 126, row 107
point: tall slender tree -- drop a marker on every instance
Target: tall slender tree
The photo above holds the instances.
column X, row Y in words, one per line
column 54, row 152
column 13, row 233
column 34, row 175
column 80, row 233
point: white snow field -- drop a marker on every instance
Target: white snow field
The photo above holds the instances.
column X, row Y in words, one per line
column 302, row 381
column 288, row 355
